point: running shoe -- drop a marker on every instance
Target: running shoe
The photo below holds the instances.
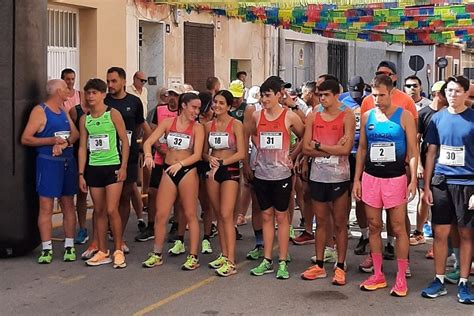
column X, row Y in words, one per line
column 191, row 263
column 400, row 289
column 429, row 254
column 417, row 238
column 434, row 289
column 451, row 261
column 464, row 294
column 345, row 266
column 124, row 247
column 241, row 220
column 313, row 273
column 288, row 258
column 153, row 260
column 389, row 252
column 46, row 256
column 90, row 251
column 255, row 253
column 367, row 265
column 238, row 235
column 206, row 246
column 330, row 254
column 217, row 263
column 177, row 249
column 99, row 258
column 69, row 254
column 304, row 238
column 292, row 233
column 173, row 233
column 81, row 237
column 214, row 231
column 361, row 245
column 119, row 260
column 147, row 234
column 282, row 272
column 263, row 268
column 453, row 276
column 141, row 225
column 339, row 277
column 427, row 231
column 373, row 283
column 227, row 269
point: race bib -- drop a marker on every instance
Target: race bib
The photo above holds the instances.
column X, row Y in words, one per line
column 451, row 156
column 271, row 140
column 62, row 134
column 357, row 119
column 99, row 142
column 331, row 160
column 219, row 140
column 129, row 136
column 178, row 141
column 382, row 152
column 162, row 139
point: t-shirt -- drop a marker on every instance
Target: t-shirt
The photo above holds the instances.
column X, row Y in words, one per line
column 399, row 98
column 143, row 97
column 131, row 109
column 454, row 136
column 424, row 119
column 422, row 103
column 239, row 112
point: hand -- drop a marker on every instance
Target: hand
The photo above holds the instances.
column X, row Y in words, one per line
column 57, row 150
column 298, row 166
column 59, row 141
column 343, row 140
column 82, row 184
column 412, row 190
column 149, row 162
column 214, row 162
column 173, row 169
column 304, row 170
column 428, row 196
column 419, row 171
column 357, row 190
column 248, row 174
column 122, row 174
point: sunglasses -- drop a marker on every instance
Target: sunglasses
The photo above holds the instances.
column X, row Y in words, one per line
column 378, row 73
column 409, row 86
column 143, row 80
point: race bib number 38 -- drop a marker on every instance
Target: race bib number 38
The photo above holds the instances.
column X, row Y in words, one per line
column 451, row 156
column 271, row 140
column 99, row 142
column 219, row 140
column 178, row 141
column 382, row 152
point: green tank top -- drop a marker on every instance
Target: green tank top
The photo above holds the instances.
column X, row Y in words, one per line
column 102, row 142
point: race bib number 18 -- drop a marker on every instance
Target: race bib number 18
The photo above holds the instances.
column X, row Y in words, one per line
column 219, row 140
column 271, row 140
column 382, row 152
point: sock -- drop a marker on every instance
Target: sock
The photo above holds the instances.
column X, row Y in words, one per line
column 340, row 265
column 68, row 242
column 258, row 237
column 458, row 258
column 47, row 245
column 157, row 250
column 320, row 263
column 377, row 259
column 440, row 277
column 181, row 238
column 206, row 237
column 269, row 260
column 365, row 232
column 402, row 267
column 390, row 240
column 462, row 281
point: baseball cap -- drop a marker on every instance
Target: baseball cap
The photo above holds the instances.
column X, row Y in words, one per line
column 436, row 87
column 356, row 87
column 236, row 87
column 254, row 95
column 286, row 85
column 176, row 90
column 388, row 64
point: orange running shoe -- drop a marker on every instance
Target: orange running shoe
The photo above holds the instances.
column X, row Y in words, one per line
column 339, row 277
column 99, row 258
column 313, row 273
column 374, row 282
column 119, row 260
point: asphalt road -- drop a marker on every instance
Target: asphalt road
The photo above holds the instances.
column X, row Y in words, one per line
column 72, row 288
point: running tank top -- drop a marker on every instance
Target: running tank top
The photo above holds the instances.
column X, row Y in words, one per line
column 72, row 101
column 253, row 149
column 272, row 161
column 103, row 144
column 180, row 140
column 387, row 149
column 57, row 125
column 162, row 112
column 332, row 169
column 222, row 140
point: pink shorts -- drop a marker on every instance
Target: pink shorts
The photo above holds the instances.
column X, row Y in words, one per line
column 384, row 192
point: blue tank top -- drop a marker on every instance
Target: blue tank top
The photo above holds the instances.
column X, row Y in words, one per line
column 386, row 150
column 57, row 124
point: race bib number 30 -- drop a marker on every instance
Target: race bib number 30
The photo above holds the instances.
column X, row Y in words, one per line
column 178, row 141
column 271, row 140
column 451, row 156
column 219, row 140
column 382, row 152
column 99, row 142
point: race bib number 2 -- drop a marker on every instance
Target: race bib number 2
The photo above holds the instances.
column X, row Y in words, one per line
column 382, row 152
column 451, row 156
column 271, row 140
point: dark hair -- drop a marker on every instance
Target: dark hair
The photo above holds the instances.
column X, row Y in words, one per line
column 442, row 91
column 66, row 71
column 206, row 101
column 329, row 77
column 186, row 98
column 240, row 73
column 211, row 82
column 120, row 71
column 382, row 80
column 413, row 77
column 460, row 80
column 330, row 85
column 271, row 85
column 96, row 84
column 229, row 98
column 310, row 85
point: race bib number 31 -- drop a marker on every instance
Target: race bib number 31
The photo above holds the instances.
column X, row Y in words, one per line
column 451, row 156
column 99, row 142
column 382, row 152
column 271, row 140
column 219, row 140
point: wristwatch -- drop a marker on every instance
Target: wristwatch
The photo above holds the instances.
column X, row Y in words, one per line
column 317, row 145
column 221, row 162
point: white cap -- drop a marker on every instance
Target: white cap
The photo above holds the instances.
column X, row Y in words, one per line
column 253, row 95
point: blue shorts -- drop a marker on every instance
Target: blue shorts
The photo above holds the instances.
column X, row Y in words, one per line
column 56, row 176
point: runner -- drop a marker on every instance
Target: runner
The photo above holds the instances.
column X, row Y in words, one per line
column 449, row 185
column 414, row 88
column 52, row 132
column 74, row 96
column 104, row 170
column 185, row 138
column 329, row 136
column 270, row 130
column 387, row 138
column 224, row 148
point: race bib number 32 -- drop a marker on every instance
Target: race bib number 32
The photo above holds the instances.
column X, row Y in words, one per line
column 271, row 140
column 451, row 156
column 382, row 152
column 178, row 141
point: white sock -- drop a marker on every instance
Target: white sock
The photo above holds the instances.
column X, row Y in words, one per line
column 440, row 277
column 391, row 240
column 365, row 232
column 47, row 245
column 68, row 242
column 462, row 281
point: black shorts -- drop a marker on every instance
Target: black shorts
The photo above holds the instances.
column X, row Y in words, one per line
column 450, row 205
column 273, row 193
column 132, row 173
column 101, row 176
column 202, row 168
column 180, row 174
column 156, row 174
column 352, row 166
column 328, row 192
column 226, row 173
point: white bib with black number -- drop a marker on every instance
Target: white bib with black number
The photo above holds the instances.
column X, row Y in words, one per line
column 331, row 160
column 452, row 156
column 357, row 119
column 99, row 142
column 178, row 141
column 382, row 152
column 271, row 140
column 219, row 140
column 62, row 134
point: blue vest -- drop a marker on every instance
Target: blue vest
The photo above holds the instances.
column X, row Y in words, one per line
column 55, row 124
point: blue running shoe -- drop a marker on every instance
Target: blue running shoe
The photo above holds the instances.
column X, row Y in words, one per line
column 434, row 290
column 427, row 232
column 464, row 294
column 82, row 236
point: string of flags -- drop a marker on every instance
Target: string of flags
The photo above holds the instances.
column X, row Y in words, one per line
column 404, row 21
